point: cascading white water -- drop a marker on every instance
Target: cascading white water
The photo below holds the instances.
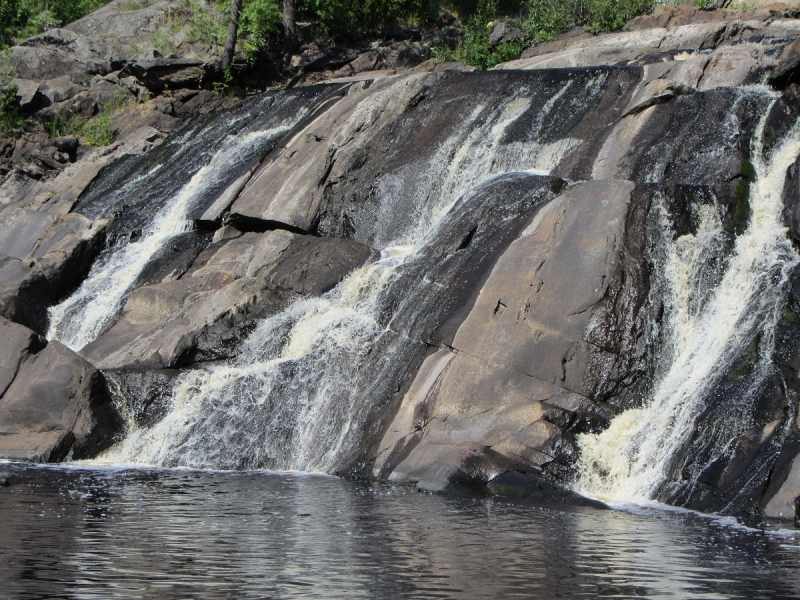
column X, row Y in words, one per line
column 79, row 319
column 240, row 414
column 630, row 459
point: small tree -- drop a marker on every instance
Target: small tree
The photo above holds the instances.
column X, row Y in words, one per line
column 290, row 35
column 230, row 39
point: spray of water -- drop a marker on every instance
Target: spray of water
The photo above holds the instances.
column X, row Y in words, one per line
column 299, row 393
column 631, row 459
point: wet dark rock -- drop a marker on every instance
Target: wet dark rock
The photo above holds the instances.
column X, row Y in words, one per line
column 5, row 478
column 787, row 70
column 791, row 200
column 782, row 116
column 147, row 395
column 176, row 259
column 680, row 142
column 535, row 488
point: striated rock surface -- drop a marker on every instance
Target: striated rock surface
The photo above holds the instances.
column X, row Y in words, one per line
column 441, row 277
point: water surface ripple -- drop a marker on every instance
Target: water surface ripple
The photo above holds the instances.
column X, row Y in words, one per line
column 108, row 533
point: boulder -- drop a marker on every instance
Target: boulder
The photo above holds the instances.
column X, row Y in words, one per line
column 168, row 73
column 63, row 53
column 130, row 27
column 28, row 96
column 44, row 256
column 788, row 68
column 58, row 89
column 747, row 63
column 503, row 32
column 19, row 343
column 783, row 503
column 522, row 348
column 56, row 408
column 404, row 55
column 332, row 58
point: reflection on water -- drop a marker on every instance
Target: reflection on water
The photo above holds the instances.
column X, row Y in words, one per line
column 100, row 533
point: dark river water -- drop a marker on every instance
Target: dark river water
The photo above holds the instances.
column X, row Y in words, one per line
column 105, row 533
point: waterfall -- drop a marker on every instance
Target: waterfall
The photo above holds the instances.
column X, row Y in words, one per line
column 79, row 319
column 304, row 387
column 631, row 459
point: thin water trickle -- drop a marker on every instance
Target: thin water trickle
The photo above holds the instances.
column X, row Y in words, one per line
column 631, row 458
column 80, row 318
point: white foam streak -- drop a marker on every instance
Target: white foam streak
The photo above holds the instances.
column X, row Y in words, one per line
column 631, row 458
column 315, row 347
column 80, row 318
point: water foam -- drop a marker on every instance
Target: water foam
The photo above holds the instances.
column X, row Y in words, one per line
column 79, row 319
column 632, row 458
column 299, row 393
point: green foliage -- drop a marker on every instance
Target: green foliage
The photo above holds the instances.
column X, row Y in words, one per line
column 21, row 19
column 13, row 16
column 220, row 87
column 131, row 5
column 92, row 132
column 192, row 23
column 613, row 15
column 540, row 20
column 260, row 24
column 706, row 4
column 261, row 21
column 546, row 19
column 338, row 17
column 97, row 131
column 9, row 117
column 476, row 49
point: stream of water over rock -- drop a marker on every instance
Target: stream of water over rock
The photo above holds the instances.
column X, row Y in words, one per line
column 443, row 196
column 708, row 325
column 80, row 318
column 308, row 378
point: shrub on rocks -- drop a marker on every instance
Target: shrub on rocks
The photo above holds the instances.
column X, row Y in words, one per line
column 9, row 117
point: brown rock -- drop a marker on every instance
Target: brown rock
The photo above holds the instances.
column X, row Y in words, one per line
column 18, row 343
column 56, row 407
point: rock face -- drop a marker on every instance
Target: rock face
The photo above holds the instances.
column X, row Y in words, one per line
column 441, row 277
column 206, row 314
column 54, row 404
column 44, row 256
